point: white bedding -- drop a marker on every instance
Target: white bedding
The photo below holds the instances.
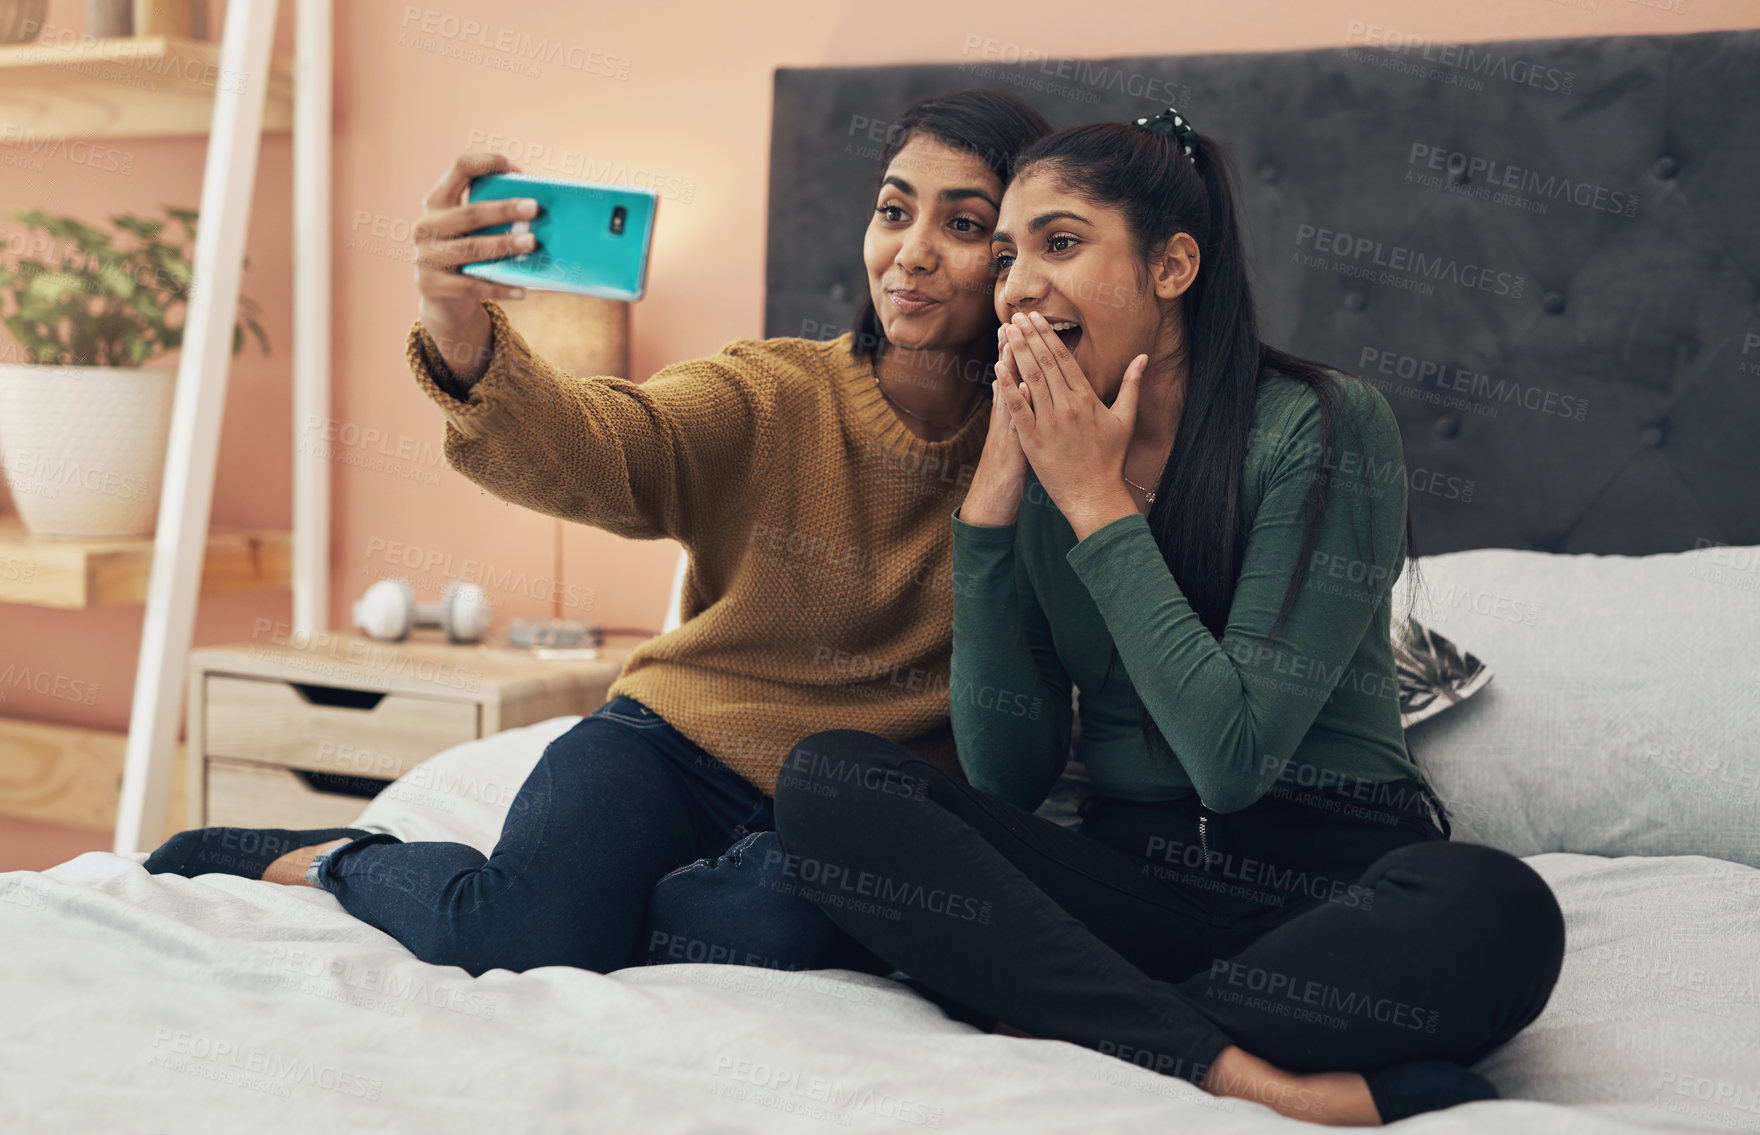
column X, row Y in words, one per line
column 138, row 1003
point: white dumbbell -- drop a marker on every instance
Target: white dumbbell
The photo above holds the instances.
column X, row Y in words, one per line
column 389, row 611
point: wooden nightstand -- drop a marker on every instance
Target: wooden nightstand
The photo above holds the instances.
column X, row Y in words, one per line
column 289, row 735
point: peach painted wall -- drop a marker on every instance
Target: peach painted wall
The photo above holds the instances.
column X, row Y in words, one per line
column 688, row 101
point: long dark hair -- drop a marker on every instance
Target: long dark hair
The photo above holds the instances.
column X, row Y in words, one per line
column 993, row 126
column 1197, row 518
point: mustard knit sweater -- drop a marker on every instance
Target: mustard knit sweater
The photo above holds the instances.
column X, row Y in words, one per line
column 819, row 593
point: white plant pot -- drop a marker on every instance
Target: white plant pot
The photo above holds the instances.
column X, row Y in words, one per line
column 84, row 447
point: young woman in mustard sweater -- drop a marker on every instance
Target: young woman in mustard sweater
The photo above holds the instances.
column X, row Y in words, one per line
column 810, row 481
column 1200, row 534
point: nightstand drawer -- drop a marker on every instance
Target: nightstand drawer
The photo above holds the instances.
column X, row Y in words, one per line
column 246, row 795
column 330, row 729
column 302, row 734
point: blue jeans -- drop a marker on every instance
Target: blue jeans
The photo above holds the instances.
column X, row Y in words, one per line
column 614, row 853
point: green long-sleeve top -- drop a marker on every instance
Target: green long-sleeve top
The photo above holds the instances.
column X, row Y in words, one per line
column 1035, row 611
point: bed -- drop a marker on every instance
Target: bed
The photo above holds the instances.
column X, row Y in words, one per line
column 1606, row 568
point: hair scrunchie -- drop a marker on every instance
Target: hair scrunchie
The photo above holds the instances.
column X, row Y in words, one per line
column 1171, row 124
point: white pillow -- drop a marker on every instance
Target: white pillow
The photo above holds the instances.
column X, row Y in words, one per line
column 1625, row 718
column 1652, row 1020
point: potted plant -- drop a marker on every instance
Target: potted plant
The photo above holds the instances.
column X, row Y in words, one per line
column 83, row 420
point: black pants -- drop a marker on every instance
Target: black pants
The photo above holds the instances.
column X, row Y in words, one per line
column 1332, row 929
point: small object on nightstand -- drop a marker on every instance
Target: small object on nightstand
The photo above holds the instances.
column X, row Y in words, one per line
column 554, row 634
column 21, row 21
column 389, row 611
column 164, row 17
column 109, row 18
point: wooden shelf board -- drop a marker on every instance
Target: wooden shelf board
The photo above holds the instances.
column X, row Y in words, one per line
column 74, row 575
column 124, row 87
column 61, row 774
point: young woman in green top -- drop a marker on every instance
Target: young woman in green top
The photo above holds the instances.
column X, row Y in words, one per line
column 1200, row 534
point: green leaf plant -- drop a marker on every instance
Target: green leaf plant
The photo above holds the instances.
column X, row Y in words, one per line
column 107, row 303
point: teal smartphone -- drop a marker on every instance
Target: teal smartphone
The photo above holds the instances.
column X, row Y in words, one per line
column 593, row 239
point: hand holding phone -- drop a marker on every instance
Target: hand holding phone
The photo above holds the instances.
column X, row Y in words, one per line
column 451, row 308
column 591, row 239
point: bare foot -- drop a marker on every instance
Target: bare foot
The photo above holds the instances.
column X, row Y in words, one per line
column 1334, row 1099
column 290, row 869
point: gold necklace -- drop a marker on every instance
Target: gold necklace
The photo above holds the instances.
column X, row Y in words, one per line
column 1148, row 494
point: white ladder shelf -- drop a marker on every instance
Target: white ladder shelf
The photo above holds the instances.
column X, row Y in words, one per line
column 186, row 500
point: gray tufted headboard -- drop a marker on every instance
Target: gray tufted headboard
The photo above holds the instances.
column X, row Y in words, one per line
column 1545, row 253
